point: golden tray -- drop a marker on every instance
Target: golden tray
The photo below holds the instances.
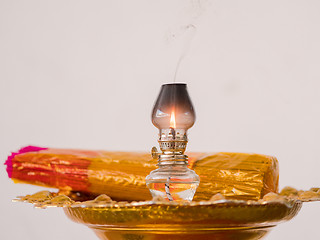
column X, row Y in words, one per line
column 154, row 220
column 196, row 221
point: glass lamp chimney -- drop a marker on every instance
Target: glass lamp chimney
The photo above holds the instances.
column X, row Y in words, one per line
column 173, row 115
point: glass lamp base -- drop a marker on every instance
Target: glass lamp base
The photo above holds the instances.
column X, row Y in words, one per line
column 173, row 183
column 173, row 191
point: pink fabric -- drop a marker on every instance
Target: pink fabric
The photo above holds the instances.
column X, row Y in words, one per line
column 22, row 150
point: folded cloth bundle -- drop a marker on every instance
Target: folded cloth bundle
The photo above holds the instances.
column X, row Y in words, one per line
column 121, row 175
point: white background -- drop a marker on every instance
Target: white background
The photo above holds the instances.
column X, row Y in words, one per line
column 85, row 74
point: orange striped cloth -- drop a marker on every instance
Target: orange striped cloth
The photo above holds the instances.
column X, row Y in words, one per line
column 121, row 175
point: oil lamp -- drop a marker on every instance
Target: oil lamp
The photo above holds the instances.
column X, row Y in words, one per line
column 173, row 114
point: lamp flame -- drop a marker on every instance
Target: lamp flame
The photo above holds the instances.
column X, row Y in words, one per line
column 173, row 120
